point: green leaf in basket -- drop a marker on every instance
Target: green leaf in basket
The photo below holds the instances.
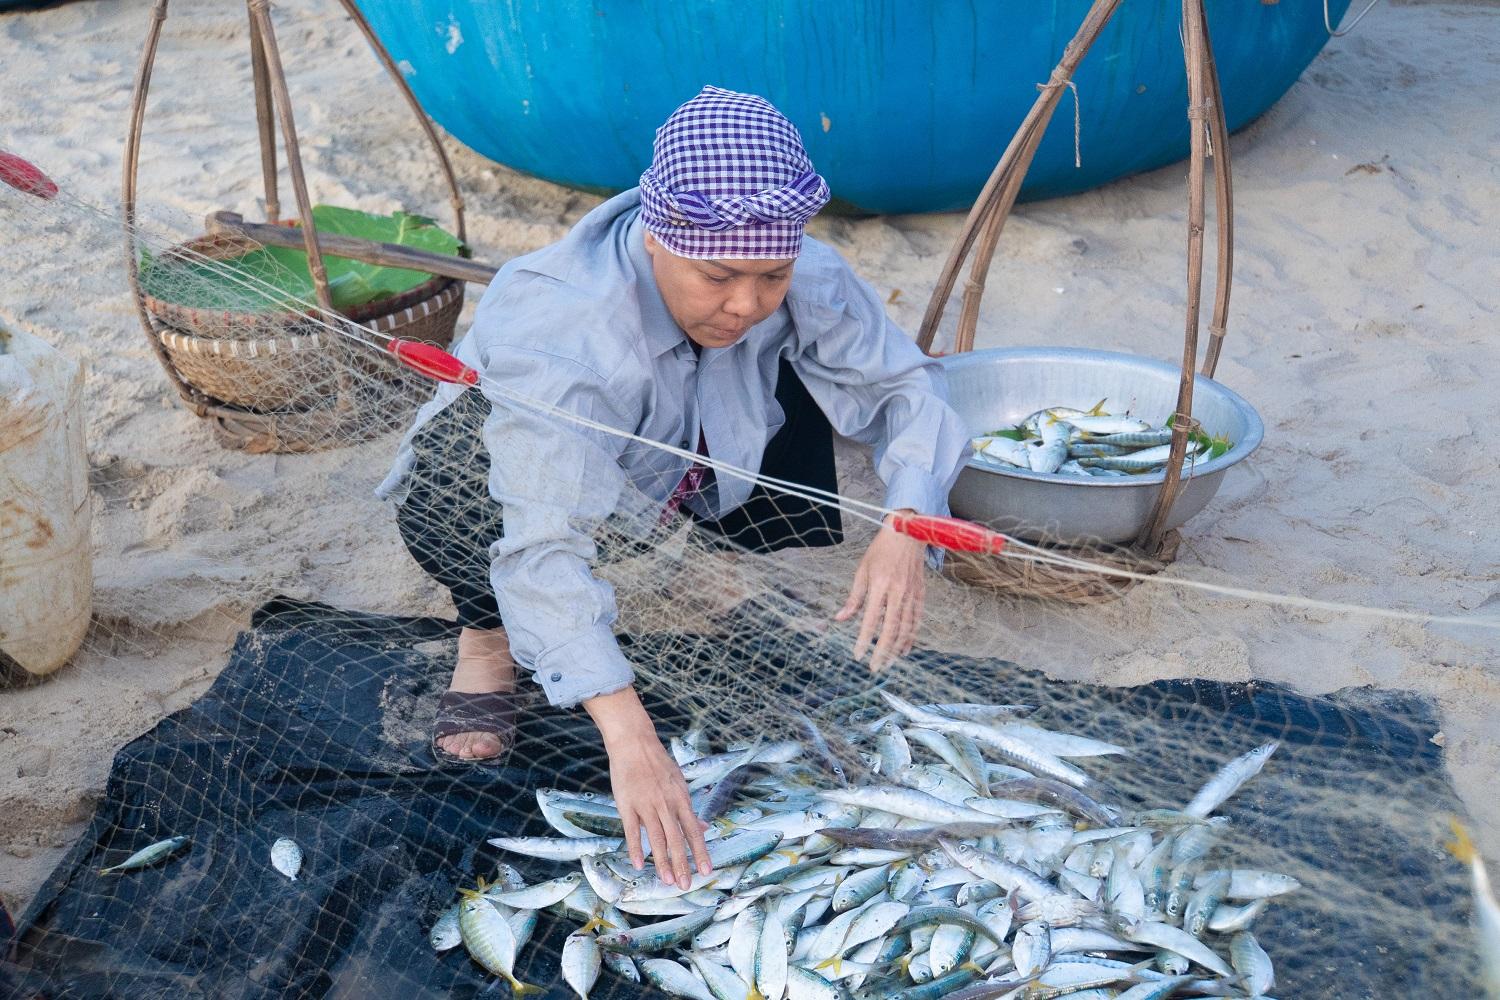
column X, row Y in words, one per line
column 278, row 278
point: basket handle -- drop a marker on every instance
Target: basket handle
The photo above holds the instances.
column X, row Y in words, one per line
column 129, row 170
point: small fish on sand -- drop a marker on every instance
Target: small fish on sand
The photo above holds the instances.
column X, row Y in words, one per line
column 148, row 855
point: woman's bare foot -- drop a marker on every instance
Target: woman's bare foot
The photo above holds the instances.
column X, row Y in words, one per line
column 484, row 664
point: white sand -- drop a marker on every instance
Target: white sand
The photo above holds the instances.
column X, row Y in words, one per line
column 1363, row 329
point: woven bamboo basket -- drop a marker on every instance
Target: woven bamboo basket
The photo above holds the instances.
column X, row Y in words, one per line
column 268, row 376
column 1011, row 574
column 280, row 359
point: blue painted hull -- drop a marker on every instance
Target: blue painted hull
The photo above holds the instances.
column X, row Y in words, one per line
column 904, row 104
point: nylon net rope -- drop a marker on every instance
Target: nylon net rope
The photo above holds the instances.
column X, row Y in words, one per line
column 986, row 816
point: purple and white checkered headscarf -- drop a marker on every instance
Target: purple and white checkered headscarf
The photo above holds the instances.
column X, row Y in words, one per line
column 730, row 180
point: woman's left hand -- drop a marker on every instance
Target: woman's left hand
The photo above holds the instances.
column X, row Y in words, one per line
column 890, row 586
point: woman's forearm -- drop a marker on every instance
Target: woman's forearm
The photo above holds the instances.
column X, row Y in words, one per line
column 620, row 717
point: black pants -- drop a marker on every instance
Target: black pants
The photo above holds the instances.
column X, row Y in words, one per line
column 449, row 519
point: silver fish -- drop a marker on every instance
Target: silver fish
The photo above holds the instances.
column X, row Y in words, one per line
column 490, row 941
column 1486, row 909
column 543, row 894
column 1227, row 919
column 286, row 857
column 674, row 980
column 1177, row 940
column 1251, row 883
column 771, row 959
column 658, row 936
column 905, row 802
column 1251, row 962
column 744, row 942
column 581, row 960
column 558, row 848
column 445, row 933
column 148, row 855
column 1032, row 949
column 721, row 981
column 1230, row 778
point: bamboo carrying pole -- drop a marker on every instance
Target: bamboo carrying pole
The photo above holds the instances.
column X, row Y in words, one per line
column 261, row 25
column 354, row 248
column 265, row 123
column 1205, row 120
column 1208, row 140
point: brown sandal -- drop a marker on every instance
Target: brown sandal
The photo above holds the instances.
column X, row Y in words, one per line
column 491, row 712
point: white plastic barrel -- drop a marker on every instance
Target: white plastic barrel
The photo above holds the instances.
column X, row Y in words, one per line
column 46, row 584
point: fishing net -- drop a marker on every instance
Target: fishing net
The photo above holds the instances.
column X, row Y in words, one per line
column 319, row 729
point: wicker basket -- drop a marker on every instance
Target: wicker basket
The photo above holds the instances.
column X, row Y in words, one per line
column 273, row 361
column 1046, row 581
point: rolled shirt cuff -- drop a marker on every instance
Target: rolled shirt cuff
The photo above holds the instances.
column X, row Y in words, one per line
column 583, row 667
column 915, row 489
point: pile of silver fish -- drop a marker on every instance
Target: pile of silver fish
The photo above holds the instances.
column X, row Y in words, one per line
column 952, row 850
column 1063, row 441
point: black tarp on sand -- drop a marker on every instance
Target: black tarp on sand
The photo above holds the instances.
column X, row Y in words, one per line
column 317, row 730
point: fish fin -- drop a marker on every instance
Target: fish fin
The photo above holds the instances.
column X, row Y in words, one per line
column 1097, row 410
column 1462, row 846
column 973, row 967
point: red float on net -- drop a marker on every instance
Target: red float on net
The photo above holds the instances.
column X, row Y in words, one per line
column 951, row 533
column 434, row 362
column 25, row 177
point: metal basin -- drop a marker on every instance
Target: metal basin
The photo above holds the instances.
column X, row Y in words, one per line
column 1000, row 387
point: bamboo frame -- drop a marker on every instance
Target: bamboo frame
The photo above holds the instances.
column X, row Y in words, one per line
column 455, row 196
column 998, row 195
column 273, row 108
column 1208, row 140
column 264, row 121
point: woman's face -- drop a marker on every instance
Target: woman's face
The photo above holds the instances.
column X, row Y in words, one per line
column 717, row 301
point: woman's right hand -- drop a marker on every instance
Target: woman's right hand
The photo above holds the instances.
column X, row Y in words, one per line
column 649, row 790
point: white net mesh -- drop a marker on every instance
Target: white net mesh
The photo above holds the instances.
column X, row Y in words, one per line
column 961, row 845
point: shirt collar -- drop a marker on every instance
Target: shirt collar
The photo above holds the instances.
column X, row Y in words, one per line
column 661, row 330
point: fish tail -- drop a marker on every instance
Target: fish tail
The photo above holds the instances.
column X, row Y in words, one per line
column 521, row 989
column 1097, row 410
column 755, row 993
column 1462, row 846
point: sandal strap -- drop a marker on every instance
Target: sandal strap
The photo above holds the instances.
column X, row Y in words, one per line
column 477, row 712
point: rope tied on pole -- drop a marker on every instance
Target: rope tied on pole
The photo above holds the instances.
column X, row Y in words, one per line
column 1059, row 81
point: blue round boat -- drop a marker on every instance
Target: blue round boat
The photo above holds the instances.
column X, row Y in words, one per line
column 905, row 105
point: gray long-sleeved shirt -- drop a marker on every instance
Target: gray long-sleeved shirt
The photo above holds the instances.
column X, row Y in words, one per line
column 581, row 327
